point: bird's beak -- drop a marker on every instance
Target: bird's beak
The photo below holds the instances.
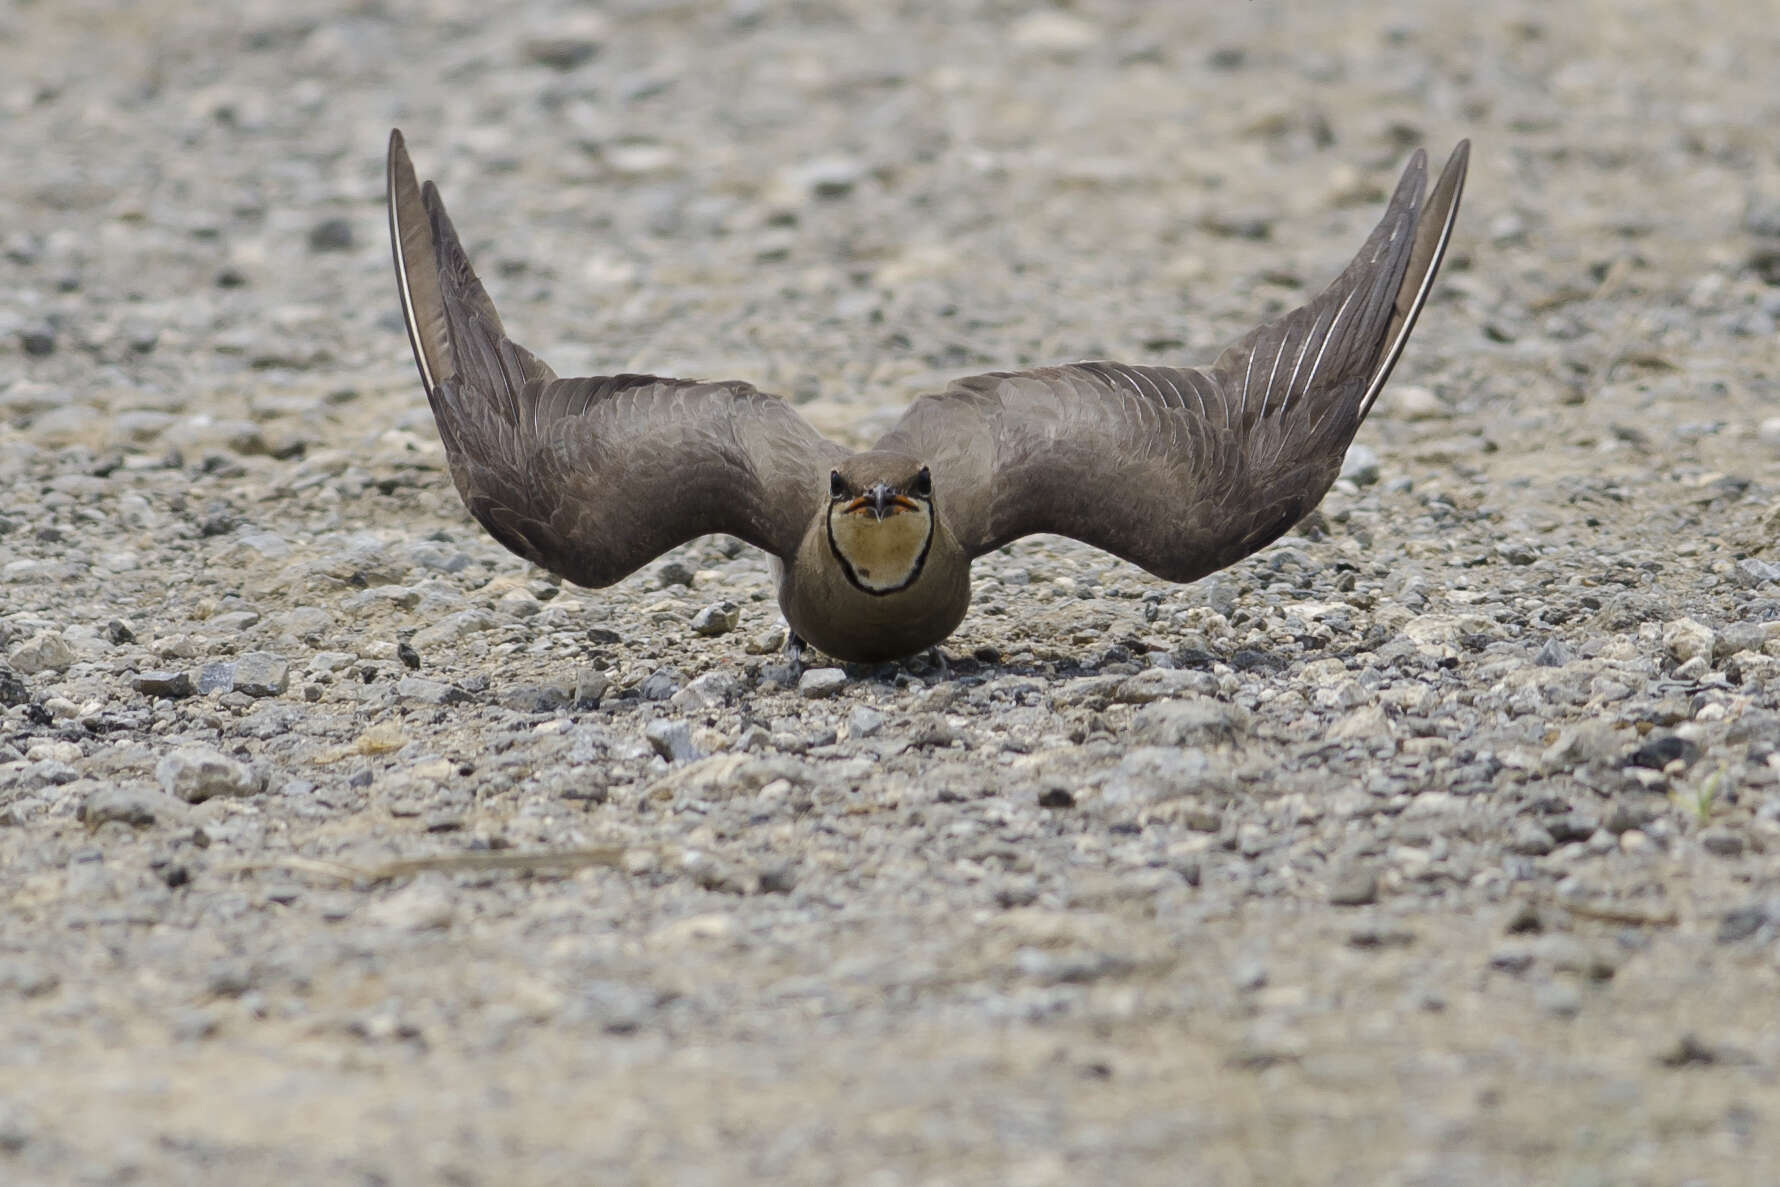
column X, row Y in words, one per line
column 880, row 500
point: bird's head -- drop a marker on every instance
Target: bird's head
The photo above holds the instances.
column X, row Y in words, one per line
column 880, row 519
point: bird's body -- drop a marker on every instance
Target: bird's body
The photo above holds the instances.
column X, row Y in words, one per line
column 867, row 588
column 1179, row 470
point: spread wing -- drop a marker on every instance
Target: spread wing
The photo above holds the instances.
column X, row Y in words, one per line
column 1186, row 470
column 590, row 478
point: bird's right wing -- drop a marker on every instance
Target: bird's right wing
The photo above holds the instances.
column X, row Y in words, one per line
column 589, row 478
column 1186, row 470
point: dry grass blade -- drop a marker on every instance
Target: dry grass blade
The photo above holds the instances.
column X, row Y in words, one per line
column 517, row 860
column 1621, row 916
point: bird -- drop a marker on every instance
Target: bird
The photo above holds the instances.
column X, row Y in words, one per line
column 1178, row 470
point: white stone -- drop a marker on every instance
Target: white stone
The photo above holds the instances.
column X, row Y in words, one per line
column 1686, row 639
column 46, row 651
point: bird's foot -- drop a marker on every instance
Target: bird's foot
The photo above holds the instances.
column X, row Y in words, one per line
column 794, row 649
column 931, row 662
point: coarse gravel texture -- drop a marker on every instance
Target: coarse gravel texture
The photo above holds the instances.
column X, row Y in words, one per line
column 1438, row 843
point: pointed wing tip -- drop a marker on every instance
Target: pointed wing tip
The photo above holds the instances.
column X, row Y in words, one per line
column 397, row 157
column 399, row 170
column 1451, row 183
column 411, row 245
column 1460, row 160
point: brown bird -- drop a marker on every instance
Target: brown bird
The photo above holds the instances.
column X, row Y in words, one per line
column 1179, row 470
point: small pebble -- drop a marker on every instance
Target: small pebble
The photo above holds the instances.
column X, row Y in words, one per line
column 333, row 234
column 817, row 683
column 261, row 674
column 719, row 619
column 198, row 773
column 164, row 684
column 1353, row 886
column 671, row 739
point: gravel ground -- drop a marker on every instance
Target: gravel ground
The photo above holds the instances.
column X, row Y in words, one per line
column 1437, row 844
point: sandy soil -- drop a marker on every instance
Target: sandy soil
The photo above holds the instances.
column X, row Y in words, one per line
column 1436, row 844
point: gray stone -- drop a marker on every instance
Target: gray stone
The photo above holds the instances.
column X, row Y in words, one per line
column 672, row 739
column 425, row 904
column 864, row 721
column 1156, row 684
column 537, row 698
column 331, row 234
column 1553, row 654
column 1196, row 721
column 719, row 619
column 129, row 804
column 817, row 683
column 1753, row 572
column 262, row 674
column 1739, row 923
column 1353, row 886
column 1737, row 638
column 1360, row 466
column 175, row 685
column 561, row 53
column 778, row 879
column 1571, row 827
column 1686, row 639
column 216, row 678
column 674, row 573
column 590, row 687
column 198, row 773
column 139, row 426
column 23, row 977
column 768, row 641
column 1590, row 742
column 452, row 628
column 825, row 177
column 1531, row 839
column 429, row 692
column 1155, row 774
column 713, row 690
column 1561, row 999
column 46, row 651
column 661, row 685
column 1722, row 842
column 268, row 545
column 308, row 623
column 1623, row 817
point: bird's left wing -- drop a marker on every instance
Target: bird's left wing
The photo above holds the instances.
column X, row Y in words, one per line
column 1186, row 470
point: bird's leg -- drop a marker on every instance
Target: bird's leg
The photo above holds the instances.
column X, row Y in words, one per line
column 936, row 659
column 794, row 646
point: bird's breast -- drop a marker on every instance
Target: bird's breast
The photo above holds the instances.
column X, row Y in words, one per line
column 830, row 612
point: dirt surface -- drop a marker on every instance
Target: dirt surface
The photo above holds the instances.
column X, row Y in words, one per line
column 1438, row 843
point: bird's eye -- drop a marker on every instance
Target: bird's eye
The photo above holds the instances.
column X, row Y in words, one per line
column 924, row 482
column 837, row 486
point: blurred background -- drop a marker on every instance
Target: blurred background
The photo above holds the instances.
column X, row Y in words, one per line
column 850, row 202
